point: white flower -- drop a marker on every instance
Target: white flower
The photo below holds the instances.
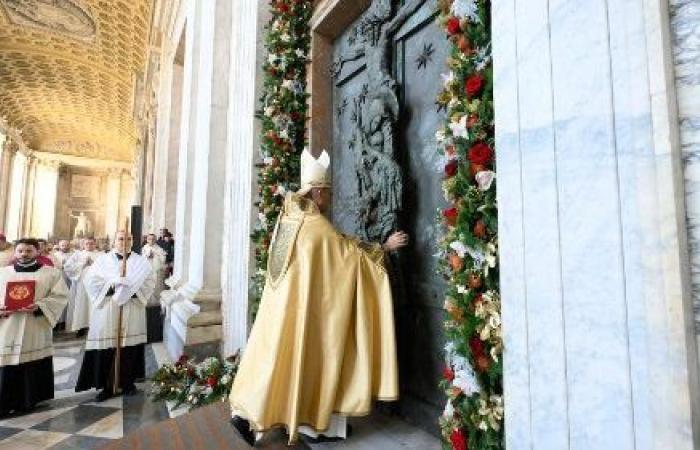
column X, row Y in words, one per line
column 459, row 248
column 448, row 79
column 440, row 135
column 284, row 134
column 462, row 289
column 262, row 218
column 285, row 37
column 281, row 191
column 459, row 128
column 225, row 379
column 268, row 160
column 466, row 8
column 288, row 84
column 300, row 53
column 466, row 380
column 449, row 410
column 269, row 111
column 272, row 58
column 483, row 57
column 484, row 179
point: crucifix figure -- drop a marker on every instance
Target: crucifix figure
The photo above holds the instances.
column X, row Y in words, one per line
column 379, row 181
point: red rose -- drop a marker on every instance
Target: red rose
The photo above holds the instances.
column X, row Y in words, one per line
column 476, row 345
column 211, row 381
column 451, row 168
column 473, row 85
column 453, row 26
column 459, row 440
column 282, row 7
column 480, row 154
column 450, row 214
column 448, row 374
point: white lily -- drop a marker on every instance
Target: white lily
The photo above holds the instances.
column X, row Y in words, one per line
column 484, row 179
column 459, row 128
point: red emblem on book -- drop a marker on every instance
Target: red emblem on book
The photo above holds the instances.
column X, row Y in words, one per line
column 19, row 294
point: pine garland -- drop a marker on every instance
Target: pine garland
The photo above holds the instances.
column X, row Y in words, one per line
column 283, row 115
column 473, row 375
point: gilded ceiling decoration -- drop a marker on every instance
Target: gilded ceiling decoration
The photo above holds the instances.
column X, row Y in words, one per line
column 67, row 73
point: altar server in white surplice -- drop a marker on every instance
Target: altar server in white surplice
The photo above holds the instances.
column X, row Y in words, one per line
column 75, row 268
column 26, row 338
column 108, row 290
column 156, row 257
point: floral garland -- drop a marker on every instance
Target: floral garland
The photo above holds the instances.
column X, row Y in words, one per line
column 194, row 384
column 473, row 383
column 283, row 116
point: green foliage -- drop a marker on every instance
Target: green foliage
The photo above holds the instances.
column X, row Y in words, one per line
column 473, row 381
column 283, row 115
column 194, row 384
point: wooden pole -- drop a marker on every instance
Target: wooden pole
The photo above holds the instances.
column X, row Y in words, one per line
column 118, row 352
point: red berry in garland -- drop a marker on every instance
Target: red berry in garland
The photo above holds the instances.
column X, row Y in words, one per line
column 453, row 26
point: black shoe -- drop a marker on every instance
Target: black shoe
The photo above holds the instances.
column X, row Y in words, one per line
column 324, row 439
column 242, row 426
column 105, row 394
column 129, row 390
column 82, row 332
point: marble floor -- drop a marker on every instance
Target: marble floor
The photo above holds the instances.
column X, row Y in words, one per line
column 73, row 420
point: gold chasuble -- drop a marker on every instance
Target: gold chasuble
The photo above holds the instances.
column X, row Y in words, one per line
column 323, row 341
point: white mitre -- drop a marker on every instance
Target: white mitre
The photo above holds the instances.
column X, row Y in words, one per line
column 315, row 172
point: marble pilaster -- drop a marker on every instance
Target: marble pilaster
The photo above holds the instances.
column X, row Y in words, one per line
column 194, row 307
column 16, row 196
column 28, row 202
column 596, row 304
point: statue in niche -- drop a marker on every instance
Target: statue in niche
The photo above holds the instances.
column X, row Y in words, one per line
column 83, row 227
column 379, row 182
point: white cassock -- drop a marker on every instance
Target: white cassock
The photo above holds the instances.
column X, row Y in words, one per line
column 106, row 294
column 156, row 257
column 75, row 268
column 59, row 258
column 26, row 339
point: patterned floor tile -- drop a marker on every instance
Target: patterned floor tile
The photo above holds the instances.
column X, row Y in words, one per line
column 33, row 440
column 29, row 420
column 81, row 442
column 76, row 419
column 111, row 427
column 6, row 432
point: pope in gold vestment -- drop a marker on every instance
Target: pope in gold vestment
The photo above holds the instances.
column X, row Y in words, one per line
column 323, row 342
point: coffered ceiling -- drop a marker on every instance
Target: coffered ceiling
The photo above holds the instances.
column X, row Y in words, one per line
column 67, row 73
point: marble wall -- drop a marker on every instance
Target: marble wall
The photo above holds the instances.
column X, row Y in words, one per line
column 685, row 27
column 597, row 310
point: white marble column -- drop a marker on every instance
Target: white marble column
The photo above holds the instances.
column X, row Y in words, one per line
column 28, row 202
column 194, row 308
column 44, row 203
column 183, row 208
column 243, row 134
column 7, row 154
column 16, row 196
column 112, row 202
column 597, row 313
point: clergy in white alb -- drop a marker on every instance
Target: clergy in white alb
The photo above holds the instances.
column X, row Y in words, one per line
column 156, row 258
column 75, row 268
column 26, row 337
column 109, row 291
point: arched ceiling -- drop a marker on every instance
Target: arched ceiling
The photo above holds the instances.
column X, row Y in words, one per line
column 67, row 73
